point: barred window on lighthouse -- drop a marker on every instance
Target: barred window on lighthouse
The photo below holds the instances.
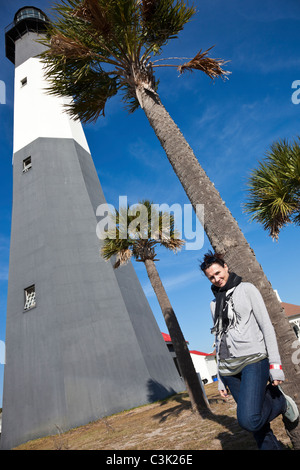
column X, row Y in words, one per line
column 24, row 81
column 27, row 165
column 29, row 298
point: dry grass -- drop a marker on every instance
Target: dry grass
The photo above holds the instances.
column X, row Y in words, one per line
column 166, row 425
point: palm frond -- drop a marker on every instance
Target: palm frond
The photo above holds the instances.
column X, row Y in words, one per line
column 141, row 239
column 60, row 45
column 89, row 88
column 211, row 67
column 296, row 216
column 94, row 23
column 123, row 257
column 89, row 103
column 162, row 20
column 173, row 244
column 148, row 8
column 274, row 188
column 95, row 13
column 115, row 39
column 114, row 246
column 129, row 98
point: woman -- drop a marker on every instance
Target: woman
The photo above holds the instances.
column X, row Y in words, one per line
column 247, row 353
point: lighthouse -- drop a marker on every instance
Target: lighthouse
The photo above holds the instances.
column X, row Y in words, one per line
column 81, row 339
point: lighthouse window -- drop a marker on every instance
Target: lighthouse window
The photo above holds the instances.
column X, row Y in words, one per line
column 24, row 81
column 30, row 13
column 29, row 297
column 27, row 164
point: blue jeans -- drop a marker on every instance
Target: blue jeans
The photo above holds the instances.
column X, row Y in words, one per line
column 258, row 402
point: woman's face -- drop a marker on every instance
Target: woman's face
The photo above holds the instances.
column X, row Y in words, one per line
column 217, row 274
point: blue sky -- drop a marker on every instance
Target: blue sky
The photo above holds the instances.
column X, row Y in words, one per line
column 230, row 125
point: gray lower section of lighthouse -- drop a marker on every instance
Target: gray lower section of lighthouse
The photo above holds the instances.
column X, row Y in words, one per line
column 88, row 345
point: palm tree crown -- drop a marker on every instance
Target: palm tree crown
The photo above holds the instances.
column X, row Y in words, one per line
column 150, row 228
column 142, row 237
column 98, row 47
column 274, row 188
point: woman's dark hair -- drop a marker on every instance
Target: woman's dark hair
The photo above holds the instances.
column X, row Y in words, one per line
column 212, row 258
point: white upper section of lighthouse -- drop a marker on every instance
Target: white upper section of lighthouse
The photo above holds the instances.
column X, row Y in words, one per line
column 39, row 114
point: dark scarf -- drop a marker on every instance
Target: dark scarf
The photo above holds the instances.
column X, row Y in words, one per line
column 221, row 311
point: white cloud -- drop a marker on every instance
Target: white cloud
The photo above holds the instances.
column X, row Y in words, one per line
column 173, row 282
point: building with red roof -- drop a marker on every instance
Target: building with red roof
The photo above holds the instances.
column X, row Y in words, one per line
column 205, row 364
column 292, row 311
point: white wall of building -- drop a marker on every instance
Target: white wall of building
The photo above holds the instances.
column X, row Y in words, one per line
column 206, row 366
column 38, row 114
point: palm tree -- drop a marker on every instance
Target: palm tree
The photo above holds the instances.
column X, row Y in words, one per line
column 140, row 244
column 274, row 188
column 99, row 47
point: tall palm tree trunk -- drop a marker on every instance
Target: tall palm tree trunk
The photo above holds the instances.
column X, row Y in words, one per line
column 225, row 236
column 186, row 365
